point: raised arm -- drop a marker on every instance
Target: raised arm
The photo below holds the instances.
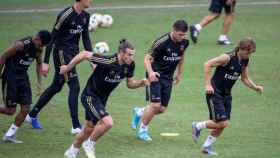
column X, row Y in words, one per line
column 84, row 55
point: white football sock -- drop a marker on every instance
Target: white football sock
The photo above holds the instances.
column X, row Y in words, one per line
column 91, row 141
column 73, row 149
column 143, row 127
column 201, row 125
column 12, row 130
column 198, row 27
column 223, row 37
column 28, row 118
column 209, row 141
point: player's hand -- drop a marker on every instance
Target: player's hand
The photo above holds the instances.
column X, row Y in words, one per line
column 153, row 76
column 45, row 69
column 209, row 89
column 177, row 79
column 63, row 69
column 259, row 89
column 145, row 82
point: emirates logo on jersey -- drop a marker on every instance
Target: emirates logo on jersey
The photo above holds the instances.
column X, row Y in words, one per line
column 77, row 31
column 173, row 57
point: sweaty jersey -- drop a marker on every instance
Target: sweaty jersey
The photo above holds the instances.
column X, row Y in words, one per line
column 107, row 75
column 68, row 28
column 166, row 55
column 21, row 61
column 225, row 76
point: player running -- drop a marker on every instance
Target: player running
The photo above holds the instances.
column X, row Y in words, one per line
column 229, row 67
column 109, row 72
column 165, row 56
column 216, row 7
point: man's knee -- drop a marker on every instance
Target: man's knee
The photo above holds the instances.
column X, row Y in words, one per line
column 156, row 107
column 162, row 109
column 88, row 128
column 108, row 122
column 223, row 124
column 215, row 16
column 24, row 109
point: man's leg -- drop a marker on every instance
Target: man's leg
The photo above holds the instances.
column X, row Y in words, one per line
column 149, row 112
column 73, row 150
column 47, row 95
column 215, row 8
column 212, row 137
column 74, row 89
column 228, row 20
column 101, row 128
column 9, row 135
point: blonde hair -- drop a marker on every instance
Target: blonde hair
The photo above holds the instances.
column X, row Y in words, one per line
column 246, row 44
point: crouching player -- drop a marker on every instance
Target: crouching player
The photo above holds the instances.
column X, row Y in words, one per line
column 229, row 67
column 14, row 63
column 109, row 72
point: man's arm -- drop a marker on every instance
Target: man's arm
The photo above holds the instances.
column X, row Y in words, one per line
column 39, row 73
column 59, row 25
column 217, row 61
column 86, row 38
column 248, row 82
column 180, row 70
column 50, row 46
column 76, row 60
column 9, row 52
column 133, row 84
column 153, row 76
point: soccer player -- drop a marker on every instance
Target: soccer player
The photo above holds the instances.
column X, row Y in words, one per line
column 14, row 63
column 71, row 23
column 109, row 72
column 165, row 55
column 229, row 67
column 216, row 7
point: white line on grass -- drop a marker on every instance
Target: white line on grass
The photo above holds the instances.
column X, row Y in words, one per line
column 138, row 7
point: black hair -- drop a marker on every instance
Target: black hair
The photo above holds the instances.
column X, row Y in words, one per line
column 78, row 0
column 180, row 25
column 124, row 44
column 45, row 36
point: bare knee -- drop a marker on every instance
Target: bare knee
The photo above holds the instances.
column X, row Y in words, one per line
column 223, row 124
column 88, row 129
column 156, row 108
column 108, row 122
column 162, row 110
column 24, row 109
column 215, row 16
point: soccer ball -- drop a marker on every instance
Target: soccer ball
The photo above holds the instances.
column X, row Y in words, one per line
column 94, row 21
column 101, row 47
column 106, row 21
